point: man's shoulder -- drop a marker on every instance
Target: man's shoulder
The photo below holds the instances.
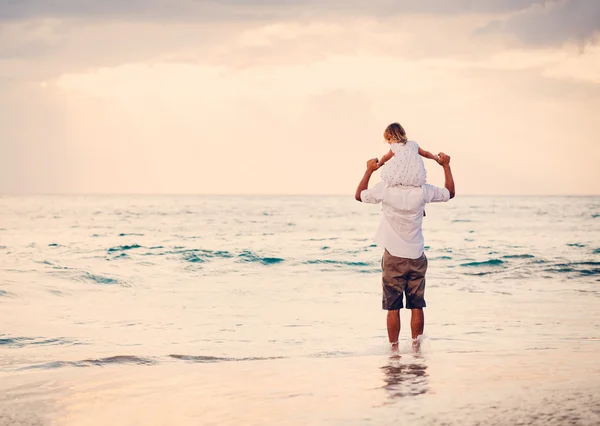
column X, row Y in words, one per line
column 435, row 194
column 430, row 187
column 374, row 194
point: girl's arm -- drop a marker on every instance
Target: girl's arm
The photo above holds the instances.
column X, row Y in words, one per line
column 387, row 157
column 428, row 154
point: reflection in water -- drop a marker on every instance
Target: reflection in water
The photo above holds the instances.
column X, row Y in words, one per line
column 404, row 379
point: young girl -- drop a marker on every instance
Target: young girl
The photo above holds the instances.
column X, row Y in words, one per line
column 406, row 168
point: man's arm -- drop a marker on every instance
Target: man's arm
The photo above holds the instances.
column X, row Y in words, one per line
column 364, row 183
column 444, row 161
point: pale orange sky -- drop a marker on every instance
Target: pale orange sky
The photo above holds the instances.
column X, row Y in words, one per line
column 264, row 97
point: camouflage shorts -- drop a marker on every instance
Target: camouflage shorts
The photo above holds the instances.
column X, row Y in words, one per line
column 403, row 276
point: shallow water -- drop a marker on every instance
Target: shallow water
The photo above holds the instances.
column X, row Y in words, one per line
column 137, row 310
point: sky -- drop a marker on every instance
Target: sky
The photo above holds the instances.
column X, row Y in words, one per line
column 292, row 97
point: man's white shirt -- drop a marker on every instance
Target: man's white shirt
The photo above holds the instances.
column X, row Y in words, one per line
column 400, row 230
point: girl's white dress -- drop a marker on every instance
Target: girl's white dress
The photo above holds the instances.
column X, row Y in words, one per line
column 406, row 168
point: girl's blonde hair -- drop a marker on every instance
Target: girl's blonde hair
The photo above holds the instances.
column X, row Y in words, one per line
column 395, row 133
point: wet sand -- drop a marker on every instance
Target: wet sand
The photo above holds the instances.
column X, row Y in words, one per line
column 541, row 387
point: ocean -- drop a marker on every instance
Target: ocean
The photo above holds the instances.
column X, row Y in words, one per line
column 254, row 310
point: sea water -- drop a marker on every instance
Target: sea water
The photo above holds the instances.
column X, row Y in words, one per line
column 267, row 310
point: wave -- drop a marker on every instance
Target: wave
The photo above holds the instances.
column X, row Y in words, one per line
column 223, row 254
column 582, row 269
column 337, row 262
column 54, row 265
column 248, row 256
column 137, row 360
column 130, row 235
column 119, row 359
column 83, row 276
column 98, row 279
column 491, row 262
column 332, row 354
column 531, row 267
column 212, row 359
column 101, row 362
column 576, row 245
column 4, row 293
column 193, row 258
column 480, row 274
column 19, row 342
column 123, row 248
column 194, row 255
column 596, row 251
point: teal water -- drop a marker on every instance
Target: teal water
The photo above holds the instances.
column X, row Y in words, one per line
column 184, row 282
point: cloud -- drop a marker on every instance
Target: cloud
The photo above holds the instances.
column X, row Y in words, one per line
column 203, row 10
column 556, row 22
column 46, row 48
column 158, row 93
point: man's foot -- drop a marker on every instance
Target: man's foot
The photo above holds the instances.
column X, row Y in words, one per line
column 416, row 345
column 394, row 349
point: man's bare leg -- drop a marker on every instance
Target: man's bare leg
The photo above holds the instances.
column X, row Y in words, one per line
column 417, row 324
column 393, row 328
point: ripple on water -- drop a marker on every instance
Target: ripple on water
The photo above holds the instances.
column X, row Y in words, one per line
column 97, row 279
column 194, row 255
column 518, row 256
column 21, row 341
column 582, row 269
column 54, row 265
column 4, row 293
column 337, row 262
column 123, row 248
column 212, row 359
column 490, row 262
column 137, row 360
column 100, row 362
column 192, row 258
column 251, row 257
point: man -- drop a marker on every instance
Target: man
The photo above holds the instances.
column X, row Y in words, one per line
column 400, row 233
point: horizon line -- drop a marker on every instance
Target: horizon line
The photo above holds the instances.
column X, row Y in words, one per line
column 174, row 194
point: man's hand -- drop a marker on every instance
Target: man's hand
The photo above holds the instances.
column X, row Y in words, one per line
column 372, row 164
column 443, row 159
